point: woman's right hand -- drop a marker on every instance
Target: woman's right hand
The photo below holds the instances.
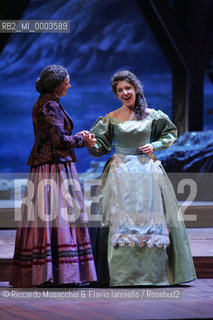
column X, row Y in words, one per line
column 83, row 133
column 90, row 140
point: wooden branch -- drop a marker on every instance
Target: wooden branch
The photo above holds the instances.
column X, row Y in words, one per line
column 173, row 29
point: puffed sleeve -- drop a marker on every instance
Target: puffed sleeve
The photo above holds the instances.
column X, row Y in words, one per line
column 164, row 132
column 52, row 117
column 103, row 131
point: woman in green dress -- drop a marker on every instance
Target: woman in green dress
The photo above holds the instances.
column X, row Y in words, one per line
column 142, row 238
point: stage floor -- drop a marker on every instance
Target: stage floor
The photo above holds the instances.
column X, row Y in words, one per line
column 193, row 300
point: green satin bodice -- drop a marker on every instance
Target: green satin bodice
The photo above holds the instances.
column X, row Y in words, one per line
column 157, row 129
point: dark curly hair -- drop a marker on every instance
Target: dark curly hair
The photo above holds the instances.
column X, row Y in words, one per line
column 50, row 78
column 140, row 101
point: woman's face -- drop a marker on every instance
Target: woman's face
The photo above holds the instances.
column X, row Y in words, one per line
column 126, row 92
column 61, row 90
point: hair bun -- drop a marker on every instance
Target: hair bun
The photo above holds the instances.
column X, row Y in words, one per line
column 50, row 78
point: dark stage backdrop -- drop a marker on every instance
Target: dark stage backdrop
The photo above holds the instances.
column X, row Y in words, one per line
column 106, row 36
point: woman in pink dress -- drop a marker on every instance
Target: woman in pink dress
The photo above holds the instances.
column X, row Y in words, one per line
column 52, row 241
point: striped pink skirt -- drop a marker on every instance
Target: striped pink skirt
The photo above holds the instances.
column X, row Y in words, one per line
column 52, row 240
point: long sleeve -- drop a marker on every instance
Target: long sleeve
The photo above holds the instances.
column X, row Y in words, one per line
column 164, row 132
column 103, row 131
column 52, row 118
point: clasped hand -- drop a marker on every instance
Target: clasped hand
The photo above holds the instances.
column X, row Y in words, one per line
column 89, row 138
column 147, row 148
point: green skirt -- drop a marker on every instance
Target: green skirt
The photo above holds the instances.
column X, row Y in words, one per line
column 143, row 266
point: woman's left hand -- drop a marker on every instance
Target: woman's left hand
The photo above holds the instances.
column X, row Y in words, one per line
column 147, row 148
